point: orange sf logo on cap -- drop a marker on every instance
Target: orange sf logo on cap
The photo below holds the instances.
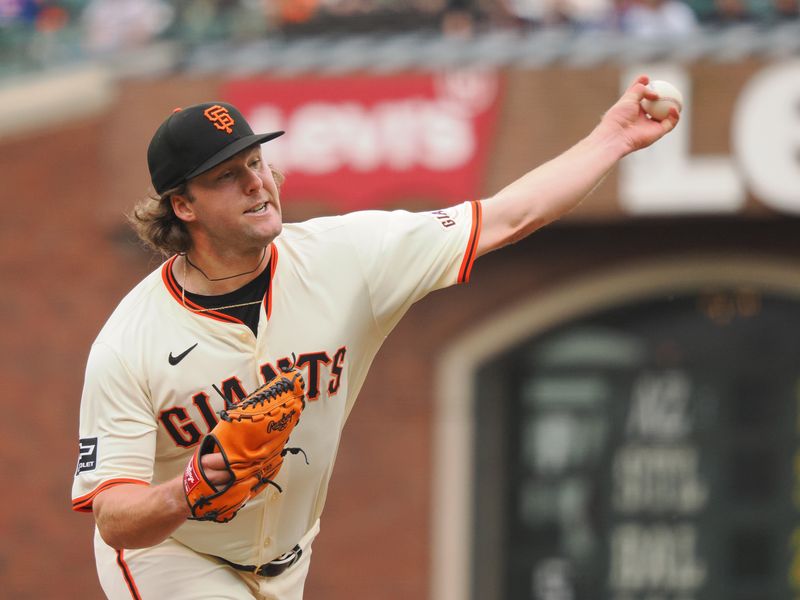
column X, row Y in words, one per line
column 220, row 117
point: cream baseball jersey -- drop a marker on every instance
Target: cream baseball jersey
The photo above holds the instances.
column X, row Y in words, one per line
column 158, row 371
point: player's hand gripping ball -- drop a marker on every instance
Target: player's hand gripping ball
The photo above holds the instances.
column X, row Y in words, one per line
column 252, row 437
column 668, row 97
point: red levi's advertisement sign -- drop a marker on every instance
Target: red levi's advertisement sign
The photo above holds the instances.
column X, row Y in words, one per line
column 369, row 141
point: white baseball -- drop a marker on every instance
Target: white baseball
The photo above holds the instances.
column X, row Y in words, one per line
column 668, row 96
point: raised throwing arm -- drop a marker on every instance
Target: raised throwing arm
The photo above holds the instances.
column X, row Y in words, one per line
column 556, row 187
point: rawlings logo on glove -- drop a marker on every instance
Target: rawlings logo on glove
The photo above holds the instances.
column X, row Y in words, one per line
column 252, row 437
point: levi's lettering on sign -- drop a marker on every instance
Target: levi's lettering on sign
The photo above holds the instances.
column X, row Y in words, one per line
column 366, row 142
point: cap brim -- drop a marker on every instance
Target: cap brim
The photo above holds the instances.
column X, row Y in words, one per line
column 234, row 148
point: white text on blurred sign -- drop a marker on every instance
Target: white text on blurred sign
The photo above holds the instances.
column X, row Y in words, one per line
column 765, row 140
column 363, row 142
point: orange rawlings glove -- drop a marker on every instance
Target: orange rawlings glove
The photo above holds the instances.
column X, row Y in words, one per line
column 251, row 436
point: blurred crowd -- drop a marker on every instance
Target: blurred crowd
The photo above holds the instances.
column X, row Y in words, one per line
column 32, row 30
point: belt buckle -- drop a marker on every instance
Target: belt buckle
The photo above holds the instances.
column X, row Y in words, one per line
column 278, row 565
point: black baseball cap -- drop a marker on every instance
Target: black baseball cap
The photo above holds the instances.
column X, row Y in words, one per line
column 197, row 138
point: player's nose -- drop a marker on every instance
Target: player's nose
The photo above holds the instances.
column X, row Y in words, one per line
column 252, row 181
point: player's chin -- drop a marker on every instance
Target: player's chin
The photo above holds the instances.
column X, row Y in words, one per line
column 267, row 231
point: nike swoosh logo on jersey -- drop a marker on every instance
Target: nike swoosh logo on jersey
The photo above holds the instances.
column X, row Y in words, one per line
column 174, row 360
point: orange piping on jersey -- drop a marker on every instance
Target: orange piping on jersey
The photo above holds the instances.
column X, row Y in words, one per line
column 84, row 503
column 126, row 573
column 472, row 244
column 175, row 289
column 273, row 264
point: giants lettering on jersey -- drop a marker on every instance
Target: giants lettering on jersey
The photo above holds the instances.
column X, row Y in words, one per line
column 187, row 430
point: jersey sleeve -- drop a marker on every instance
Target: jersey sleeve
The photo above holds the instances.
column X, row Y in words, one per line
column 405, row 255
column 117, row 429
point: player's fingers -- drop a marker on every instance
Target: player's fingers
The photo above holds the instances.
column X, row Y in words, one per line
column 651, row 94
column 638, row 88
column 214, row 468
column 671, row 120
column 214, row 460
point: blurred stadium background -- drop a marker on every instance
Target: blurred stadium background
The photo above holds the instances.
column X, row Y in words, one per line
column 609, row 410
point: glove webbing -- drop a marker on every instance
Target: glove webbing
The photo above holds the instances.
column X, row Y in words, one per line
column 276, row 389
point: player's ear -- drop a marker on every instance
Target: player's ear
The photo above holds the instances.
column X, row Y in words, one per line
column 183, row 206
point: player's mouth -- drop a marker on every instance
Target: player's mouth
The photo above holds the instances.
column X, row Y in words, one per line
column 258, row 209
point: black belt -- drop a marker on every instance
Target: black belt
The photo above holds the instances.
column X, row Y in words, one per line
column 272, row 568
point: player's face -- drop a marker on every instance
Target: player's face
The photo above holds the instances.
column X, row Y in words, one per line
column 236, row 204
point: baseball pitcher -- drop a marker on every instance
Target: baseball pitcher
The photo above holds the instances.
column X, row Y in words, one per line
column 216, row 393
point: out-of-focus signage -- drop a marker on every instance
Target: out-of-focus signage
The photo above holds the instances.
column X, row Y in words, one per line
column 369, row 141
column 671, row 178
column 366, row 141
column 652, row 454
